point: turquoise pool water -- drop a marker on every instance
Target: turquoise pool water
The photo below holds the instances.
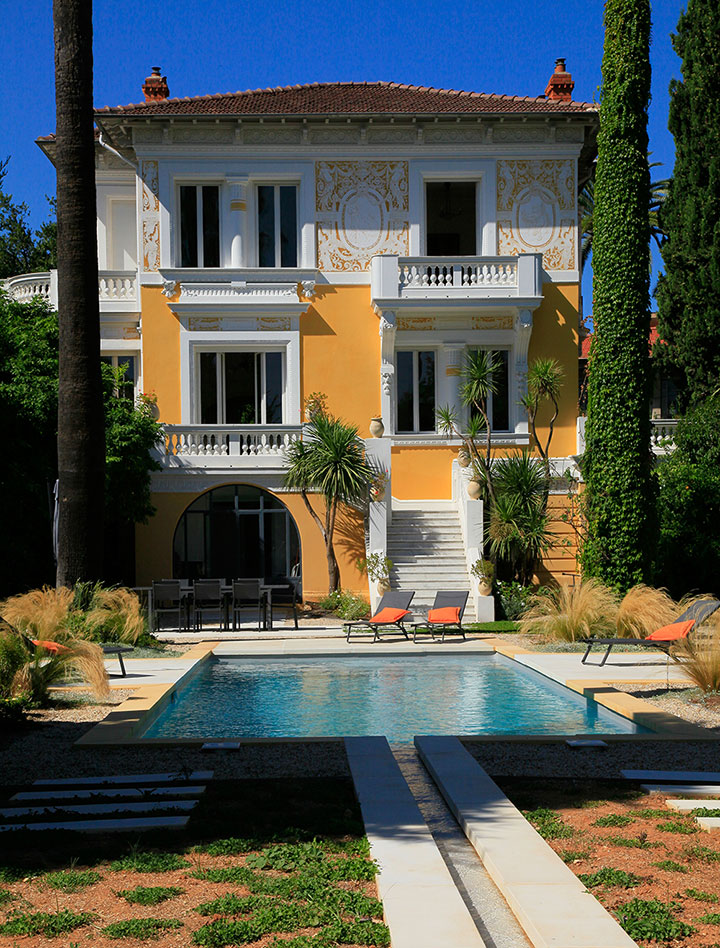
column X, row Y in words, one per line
column 398, row 697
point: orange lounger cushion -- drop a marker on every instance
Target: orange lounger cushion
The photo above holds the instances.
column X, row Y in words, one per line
column 668, row 633
column 390, row 615
column 447, row 614
column 53, row 647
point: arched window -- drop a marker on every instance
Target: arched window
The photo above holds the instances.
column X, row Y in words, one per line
column 236, row 532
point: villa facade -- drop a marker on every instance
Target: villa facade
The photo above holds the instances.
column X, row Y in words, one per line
column 354, row 239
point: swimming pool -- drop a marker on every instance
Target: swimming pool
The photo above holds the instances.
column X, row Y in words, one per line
column 398, row 697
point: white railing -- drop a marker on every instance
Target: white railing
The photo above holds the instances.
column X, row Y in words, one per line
column 472, row 528
column 117, row 286
column 205, row 441
column 27, row 286
column 114, row 286
column 416, row 272
column 662, row 434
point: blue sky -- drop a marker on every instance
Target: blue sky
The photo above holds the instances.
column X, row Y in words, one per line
column 219, row 46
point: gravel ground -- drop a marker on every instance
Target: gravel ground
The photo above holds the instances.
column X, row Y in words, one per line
column 686, row 703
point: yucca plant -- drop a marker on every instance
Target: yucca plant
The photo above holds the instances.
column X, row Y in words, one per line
column 115, row 615
column 643, row 610
column 569, row 613
column 698, row 655
column 41, row 613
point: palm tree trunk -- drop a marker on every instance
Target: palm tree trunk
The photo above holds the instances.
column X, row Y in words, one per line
column 81, row 436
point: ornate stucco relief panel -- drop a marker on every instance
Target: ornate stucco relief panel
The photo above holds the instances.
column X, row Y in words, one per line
column 536, row 211
column 150, row 214
column 362, row 209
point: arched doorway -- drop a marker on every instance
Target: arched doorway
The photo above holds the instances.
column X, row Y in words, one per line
column 235, row 532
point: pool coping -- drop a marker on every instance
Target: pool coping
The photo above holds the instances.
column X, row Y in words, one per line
column 125, row 724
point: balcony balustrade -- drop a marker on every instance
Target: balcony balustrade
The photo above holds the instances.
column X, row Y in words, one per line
column 227, row 445
column 117, row 289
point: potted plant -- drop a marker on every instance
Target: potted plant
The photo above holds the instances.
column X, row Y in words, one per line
column 463, row 458
column 378, row 567
column 378, row 485
column 484, row 571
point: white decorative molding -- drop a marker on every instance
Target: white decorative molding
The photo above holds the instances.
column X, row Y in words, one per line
column 536, row 209
column 523, row 331
column 392, row 136
column 444, row 134
column 329, row 135
column 150, row 216
column 308, row 288
column 266, row 135
column 169, row 288
column 362, row 209
column 520, row 133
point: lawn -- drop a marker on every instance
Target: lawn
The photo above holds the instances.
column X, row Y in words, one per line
column 264, row 863
column 654, row 869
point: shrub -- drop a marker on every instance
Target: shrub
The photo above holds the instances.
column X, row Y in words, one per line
column 514, row 598
column 699, row 655
column 115, row 615
column 569, row 613
column 345, row 605
column 652, row 920
column 643, row 610
column 13, row 655
column 82, row 659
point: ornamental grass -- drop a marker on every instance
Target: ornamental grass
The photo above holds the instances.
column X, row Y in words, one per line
column 82, row 660
column 569, row 613
column 41, row 613
column 115, row 615
column 698, row 655
column 643, row 610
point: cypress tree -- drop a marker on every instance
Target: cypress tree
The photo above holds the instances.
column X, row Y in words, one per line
column 689, row 293
column 617, row 467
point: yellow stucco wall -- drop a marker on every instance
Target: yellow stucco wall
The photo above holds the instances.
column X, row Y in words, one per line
column 340, row 353
column 422, row 473
column 154, row 542
column 161, row 353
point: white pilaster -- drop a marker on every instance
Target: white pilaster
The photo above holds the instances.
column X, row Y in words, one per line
column 523, row 331
column 387, row 369
column 238, row 221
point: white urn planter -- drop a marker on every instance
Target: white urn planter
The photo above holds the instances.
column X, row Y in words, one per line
column 463, row 459
column 377, row 428
column 484, row 588
column 474, row 490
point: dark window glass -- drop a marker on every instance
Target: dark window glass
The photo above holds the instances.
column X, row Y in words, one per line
column 288, row 226
column 211, row 226
column 240, row 404
column 266, row 225
column 127, row 386
column 405, row 414
column 450, row 218
column 208, row 388
column 426, row 391
column 500, row 398
column 273, row 388
column 188, row 226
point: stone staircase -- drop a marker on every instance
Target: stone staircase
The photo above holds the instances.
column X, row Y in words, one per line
column 427, row 552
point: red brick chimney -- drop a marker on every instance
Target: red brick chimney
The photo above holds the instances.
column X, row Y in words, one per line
column 560, row 86
column 155, row 86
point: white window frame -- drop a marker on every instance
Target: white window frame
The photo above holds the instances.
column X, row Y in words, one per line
column 276, row 184
column 220, row 382
column 416, row 349
column 116, row 354
column 199, row 185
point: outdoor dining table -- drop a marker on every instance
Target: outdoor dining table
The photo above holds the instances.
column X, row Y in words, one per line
column 186, row 592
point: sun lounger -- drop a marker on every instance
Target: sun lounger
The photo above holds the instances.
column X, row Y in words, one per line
column 445, row 617
column 664, row 638
column 390, row 615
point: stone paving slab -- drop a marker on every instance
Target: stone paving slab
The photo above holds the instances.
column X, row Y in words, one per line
column 550, row 902
column 686, row 789
column 684, row 806
column 136, row 779
column 104, row 826
column 673, row 776
column 423, row 908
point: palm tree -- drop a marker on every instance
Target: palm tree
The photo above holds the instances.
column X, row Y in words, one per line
column 586, row 201
column 81, row 437
column 330, row 461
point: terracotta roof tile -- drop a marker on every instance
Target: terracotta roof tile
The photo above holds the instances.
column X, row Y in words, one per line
column 343, row 98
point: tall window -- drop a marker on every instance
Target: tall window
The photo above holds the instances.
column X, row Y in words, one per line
column 415, row 373
column 126, row 389
column 240, row 388
column 450, row 218
column 498, row 407
column 277, row 225
column 199, row 225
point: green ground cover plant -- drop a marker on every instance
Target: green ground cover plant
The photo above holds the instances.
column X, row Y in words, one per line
column 705, row 811
column 49, row 924
column 149, row 862
column 575, row 855
column 670, row 865
column 6, row 896
column 613, row 819
column 631, row 842
column 710, row 918
column 610, row 877
column 703, row 853
column 141, row 928
column 679, row 826
column 649, row 813
column 548, row 824
column 499, row 627
column 71, row 880
column 701, row 896
column 150, row 895
column 345, row 605
column 652, row 920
